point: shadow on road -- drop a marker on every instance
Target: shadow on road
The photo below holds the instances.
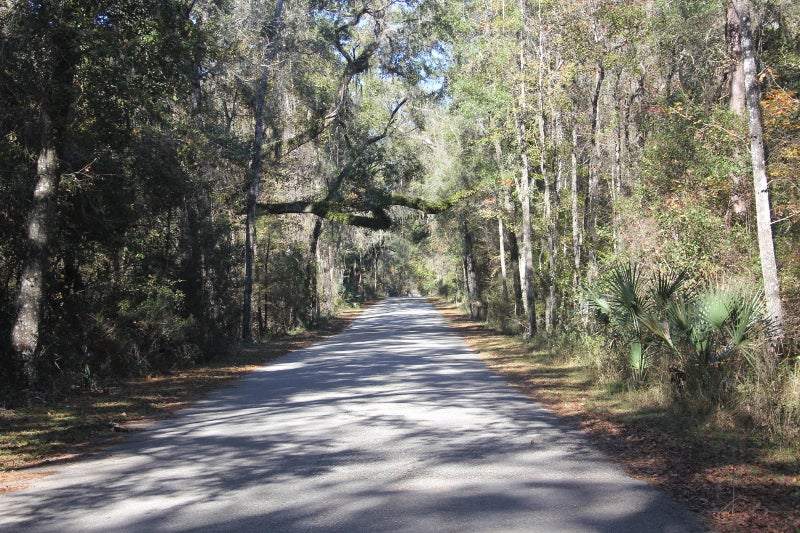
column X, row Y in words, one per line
column 393, row 425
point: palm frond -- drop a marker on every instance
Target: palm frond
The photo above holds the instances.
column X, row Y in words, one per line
column 665, row 285
column 714, row 306
column 748, row 314
column 682, row 314
column 626, row 289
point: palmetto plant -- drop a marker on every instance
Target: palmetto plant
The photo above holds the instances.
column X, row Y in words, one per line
column 634, row 308
column 703, row 330
column 722, row 323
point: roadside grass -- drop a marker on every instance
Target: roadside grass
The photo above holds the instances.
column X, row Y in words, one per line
column 735, row 480
column 81, row 422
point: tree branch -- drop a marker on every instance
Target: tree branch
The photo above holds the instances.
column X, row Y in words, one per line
column 353, row 214
column 356, row 63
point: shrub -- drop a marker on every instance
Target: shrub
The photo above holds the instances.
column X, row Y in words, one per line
column 702, row 337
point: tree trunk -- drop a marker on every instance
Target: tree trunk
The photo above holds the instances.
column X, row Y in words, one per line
column 312, row 271
column 470, row 274
column 524, row 191
column 594, row 173
column 256, row 163
column 577, row 226
column 513, row 259
column 503, row 269
column 733, row 40
column 617, row 143
column 582, row 306
column 739, row 196
column 56, row 104
column 549, row 199
column 197, row 209
column 375, row 266
column 526, row 257
column 766, row 247
column 512, row 237
column 552, row 204
column 25, row 333
column 192, row 268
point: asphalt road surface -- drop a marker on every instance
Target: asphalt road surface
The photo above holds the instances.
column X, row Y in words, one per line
column 393, row 425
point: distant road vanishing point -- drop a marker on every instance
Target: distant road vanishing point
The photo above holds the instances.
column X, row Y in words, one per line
column 392, row 425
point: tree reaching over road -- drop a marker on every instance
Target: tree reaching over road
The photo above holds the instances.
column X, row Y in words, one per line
column 187, row 174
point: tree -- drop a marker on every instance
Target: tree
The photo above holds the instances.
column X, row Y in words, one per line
column 61, row 57
column 355, row 47
column 766, row 247
column 524, row 190
column 55, row 24
column 271, row 35
column 736, row 92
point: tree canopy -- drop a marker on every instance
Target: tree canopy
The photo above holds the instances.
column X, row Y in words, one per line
column 182, row 174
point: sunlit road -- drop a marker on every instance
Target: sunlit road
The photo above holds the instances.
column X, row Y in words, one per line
column 393, row 425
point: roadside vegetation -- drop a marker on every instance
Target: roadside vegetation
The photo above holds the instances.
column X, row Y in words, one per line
column 82, row 421
column 613, row 182
column 735, row 477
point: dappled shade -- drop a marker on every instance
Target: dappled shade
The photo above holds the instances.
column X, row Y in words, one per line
column 394, row 425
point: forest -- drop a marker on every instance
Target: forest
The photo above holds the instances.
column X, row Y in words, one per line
column 614, row 177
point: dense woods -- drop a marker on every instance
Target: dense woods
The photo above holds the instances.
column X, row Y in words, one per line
column 617, row 177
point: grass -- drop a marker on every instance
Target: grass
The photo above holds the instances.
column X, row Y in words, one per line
column 735, row 480
column 81, row 422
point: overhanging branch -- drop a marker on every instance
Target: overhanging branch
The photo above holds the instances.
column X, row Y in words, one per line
column 334, row 211
column 371, row 216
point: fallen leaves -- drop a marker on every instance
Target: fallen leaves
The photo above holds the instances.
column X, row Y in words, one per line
column 729, row 481
column 82, row 423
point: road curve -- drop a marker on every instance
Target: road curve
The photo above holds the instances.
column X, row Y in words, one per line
column 392, row 425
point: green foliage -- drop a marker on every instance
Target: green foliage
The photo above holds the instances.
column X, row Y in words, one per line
column 693, row 150
column 284, row 291
column 689, row 28
column 146, row 267
column 701, row 337
column 633, row 307
column 500, row 313
column 140, row 273
column 780, row 48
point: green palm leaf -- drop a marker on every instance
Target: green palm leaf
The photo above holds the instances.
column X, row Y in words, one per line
column 715, row 306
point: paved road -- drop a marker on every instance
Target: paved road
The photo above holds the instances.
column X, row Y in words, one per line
column 393, row 425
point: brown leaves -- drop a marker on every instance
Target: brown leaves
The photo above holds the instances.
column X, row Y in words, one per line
column 730, row 482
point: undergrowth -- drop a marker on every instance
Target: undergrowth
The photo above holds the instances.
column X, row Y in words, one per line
column 739, row 475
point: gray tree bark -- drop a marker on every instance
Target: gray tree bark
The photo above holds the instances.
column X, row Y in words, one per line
column 255, row 168
column 25, row 333
column 524, row 193
column 513, row 249
column 739, row 196
column 57, row 100
column 470, row 273
column 503, row 269
column 549, row 200
column 312, row 271
column 766, row 246
column 594, row 173
column 733, row 40
column 577, row 226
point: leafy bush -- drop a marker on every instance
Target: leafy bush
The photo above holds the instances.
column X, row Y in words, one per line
column 768, row 395
column 702, row 338
column 711, row 345
column 633, row 308
column 285, row 292
column 147, row 331
column 500, row 313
